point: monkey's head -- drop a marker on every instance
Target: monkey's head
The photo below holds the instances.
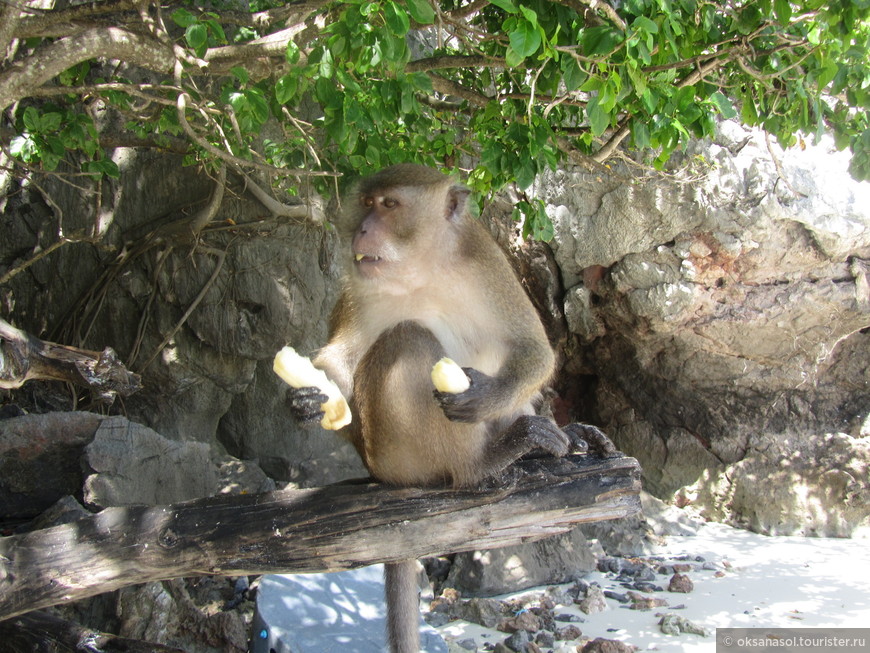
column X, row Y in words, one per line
column 403, row 223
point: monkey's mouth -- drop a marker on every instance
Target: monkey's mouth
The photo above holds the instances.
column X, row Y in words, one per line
column 366, row 259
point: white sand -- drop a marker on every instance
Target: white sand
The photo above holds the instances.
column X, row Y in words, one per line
column 792, row 582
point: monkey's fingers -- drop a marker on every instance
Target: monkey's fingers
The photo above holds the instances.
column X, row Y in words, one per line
column 468, row 406
column 461, row 407
column 306, row 404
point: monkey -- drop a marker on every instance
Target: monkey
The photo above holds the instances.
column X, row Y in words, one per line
column 426, row 280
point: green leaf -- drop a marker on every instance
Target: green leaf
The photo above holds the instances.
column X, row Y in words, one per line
column 640, row 134
column 396, row 18
column 216, row 30
column 644, row 23
column 50, row 160
column 241, row 74
column 292, row 54
column 530, row 14
column 197, row 37
column 782, row 10
column 542, row 227
column 285, row 89
column 511, row 58
column 525, row 174
column 421, row 11
column 508, row 5
column 421, row 81
column 725, row 106
column 102, row 167
column 31, row 119
column 525, row 39
column 598, row 40
column 637, row 78
column 183, row 18
column 827, row 74
column 572, row 74
column 599, row 119
column 258, row 104
column 24, row 147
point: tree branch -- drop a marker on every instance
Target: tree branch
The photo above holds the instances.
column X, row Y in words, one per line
column 50, row 60
column 448, row 87
column 610, row 146
column 599, row 6
column 24, row 358
column 453, row 61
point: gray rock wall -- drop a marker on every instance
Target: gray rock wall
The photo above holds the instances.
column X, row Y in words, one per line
column 724, row 321
column 267, row 283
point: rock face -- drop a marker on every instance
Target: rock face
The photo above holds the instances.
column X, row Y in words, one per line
column 254, row 284
column 725, row 322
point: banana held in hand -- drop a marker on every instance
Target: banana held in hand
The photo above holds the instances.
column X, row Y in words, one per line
column 449, row 377
column 298, row 372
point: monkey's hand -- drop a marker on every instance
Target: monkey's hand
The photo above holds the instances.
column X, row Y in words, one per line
column 470, row 405
column 300, row 374
column 306, row 404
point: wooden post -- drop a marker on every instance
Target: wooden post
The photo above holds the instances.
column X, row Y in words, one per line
column 330, row 528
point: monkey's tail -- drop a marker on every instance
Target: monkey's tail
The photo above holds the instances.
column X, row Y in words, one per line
column 403, row 606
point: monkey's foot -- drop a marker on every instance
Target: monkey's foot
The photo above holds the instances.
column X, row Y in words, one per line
column 587, row 437
column 305, row 403
column 542, row 433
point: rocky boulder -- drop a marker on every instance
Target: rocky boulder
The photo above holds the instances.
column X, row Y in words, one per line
column 724, row 322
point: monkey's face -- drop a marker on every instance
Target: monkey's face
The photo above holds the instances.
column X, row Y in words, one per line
column 393, row 225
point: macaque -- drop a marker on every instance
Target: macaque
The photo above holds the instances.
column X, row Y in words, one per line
column 427, row 281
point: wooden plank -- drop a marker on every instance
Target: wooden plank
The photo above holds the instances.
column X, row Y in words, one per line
column 330, row 528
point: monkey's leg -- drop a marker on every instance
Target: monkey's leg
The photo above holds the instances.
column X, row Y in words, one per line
column 403, row 606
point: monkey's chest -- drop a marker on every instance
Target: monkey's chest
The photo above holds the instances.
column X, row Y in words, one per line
column 458, row 321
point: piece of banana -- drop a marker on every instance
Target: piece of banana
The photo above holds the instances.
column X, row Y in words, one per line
column 298, row 372
column 449, row 377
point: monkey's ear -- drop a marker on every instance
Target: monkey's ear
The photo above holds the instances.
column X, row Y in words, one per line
column 457, row 198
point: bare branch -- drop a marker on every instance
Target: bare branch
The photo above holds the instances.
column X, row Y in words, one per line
column 449, row 87
column 181, row 105
column 20, row 79
column 63, row 22
column 279, row 209
column 610, row 146
column 269, row 46
column 453, row 61
column 598, row 6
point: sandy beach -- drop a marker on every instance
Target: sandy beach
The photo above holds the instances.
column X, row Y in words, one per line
column 750, row 580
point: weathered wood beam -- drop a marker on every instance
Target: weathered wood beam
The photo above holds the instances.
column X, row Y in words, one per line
column 24, row 357
column 330, row 528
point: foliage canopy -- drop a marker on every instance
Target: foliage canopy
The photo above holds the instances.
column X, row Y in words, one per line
column 505, row 88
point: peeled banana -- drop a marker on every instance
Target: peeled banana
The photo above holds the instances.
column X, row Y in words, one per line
column 298, row 372
column 449, row 377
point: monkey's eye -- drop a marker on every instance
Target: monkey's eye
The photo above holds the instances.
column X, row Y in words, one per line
column 390, row 203
column 368, row 201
